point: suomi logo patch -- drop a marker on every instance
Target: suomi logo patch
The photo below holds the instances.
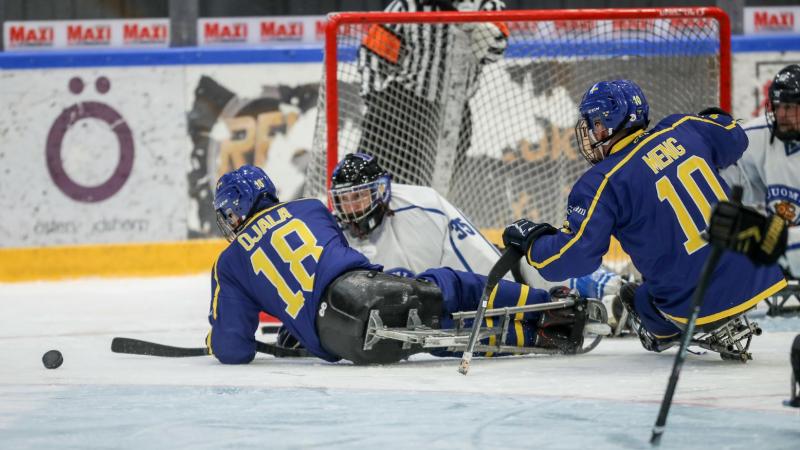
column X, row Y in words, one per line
column 785, row 202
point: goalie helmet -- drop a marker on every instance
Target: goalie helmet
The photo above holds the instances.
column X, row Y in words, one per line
column 608, row 110
column 360, row 193
column 240, row 194
column 783, row 113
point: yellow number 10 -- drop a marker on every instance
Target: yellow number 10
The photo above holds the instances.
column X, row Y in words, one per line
column 666, row 191
column 294, row 257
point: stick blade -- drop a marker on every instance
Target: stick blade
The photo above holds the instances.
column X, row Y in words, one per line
column 139, row 347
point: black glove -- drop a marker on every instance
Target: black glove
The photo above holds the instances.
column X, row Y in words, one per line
column 714, row 110
column 745, row 230
column 286, row 340
column 523, row 232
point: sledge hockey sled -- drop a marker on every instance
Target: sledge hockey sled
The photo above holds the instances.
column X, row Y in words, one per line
column 456, row 339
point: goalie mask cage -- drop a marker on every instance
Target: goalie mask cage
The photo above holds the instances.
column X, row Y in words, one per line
column 495, row 136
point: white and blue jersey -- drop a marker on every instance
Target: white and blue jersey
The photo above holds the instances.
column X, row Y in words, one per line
column 769, row 172
column 424, row 230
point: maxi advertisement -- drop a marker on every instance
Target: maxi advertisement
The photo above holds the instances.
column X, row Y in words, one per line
column 112, row 149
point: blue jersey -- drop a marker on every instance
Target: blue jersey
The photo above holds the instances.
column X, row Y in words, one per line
column 654, row 193
column 280, row 263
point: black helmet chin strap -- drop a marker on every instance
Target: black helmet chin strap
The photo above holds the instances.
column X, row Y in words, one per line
column 363, row 227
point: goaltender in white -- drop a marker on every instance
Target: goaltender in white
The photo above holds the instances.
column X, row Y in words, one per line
column 409, row 229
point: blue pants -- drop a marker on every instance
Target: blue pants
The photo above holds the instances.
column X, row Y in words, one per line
column 462, row 292
column 652, row 319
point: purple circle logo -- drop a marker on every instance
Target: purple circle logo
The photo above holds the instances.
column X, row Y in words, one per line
column 66, row 120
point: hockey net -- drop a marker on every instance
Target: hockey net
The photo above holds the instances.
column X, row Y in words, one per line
column 497, row 138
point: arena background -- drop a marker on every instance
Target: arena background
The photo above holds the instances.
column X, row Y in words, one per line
column 119, row 116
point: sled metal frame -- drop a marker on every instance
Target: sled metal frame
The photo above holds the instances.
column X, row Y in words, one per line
column 777, row 302
column 456, row 339
column 731, row 340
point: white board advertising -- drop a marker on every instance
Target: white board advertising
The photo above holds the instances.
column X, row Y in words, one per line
column 92, row 156
column 132, row 154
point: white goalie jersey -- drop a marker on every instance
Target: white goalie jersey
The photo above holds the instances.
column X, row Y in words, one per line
column 425, row 231
column 769, row 172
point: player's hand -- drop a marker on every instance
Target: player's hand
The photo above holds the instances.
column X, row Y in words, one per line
column 523, row 232
column 745, row 230
column 488, row 41
column 286, row 340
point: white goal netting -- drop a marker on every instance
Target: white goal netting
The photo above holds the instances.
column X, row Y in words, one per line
column 496, row 137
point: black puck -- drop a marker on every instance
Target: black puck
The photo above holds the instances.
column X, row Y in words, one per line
column 52, row 359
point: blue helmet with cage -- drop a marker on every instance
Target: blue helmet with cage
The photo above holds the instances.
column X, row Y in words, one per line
column 239, row 194
column 608, row 110
column 360, row 193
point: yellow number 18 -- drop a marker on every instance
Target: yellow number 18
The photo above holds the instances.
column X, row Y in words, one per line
column 666, row 191
column 294, row 257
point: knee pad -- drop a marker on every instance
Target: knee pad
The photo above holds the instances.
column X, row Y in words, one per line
column 345, row 308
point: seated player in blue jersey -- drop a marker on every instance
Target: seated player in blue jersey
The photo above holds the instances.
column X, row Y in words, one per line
column 291, row 260
column 653, row 190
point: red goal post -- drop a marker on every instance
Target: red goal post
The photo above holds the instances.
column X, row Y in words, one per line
column 680, row 56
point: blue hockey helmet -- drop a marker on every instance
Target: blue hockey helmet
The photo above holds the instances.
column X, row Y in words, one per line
column 360, row 193
column 637, row 104
column 239, row 194
column 609, row 109
column 783, row 114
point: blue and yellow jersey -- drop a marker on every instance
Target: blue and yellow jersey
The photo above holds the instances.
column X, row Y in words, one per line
column 654, row 193
column 280, row 263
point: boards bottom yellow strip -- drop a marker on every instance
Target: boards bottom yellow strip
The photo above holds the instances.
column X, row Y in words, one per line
column 109, row 260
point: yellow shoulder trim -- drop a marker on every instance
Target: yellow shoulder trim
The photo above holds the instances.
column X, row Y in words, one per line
column 593, row 206
column 727, row 127
column 742, row 307
column 625, row 141
column 261, row 213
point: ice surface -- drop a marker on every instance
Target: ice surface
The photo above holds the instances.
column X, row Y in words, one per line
column 606, row 399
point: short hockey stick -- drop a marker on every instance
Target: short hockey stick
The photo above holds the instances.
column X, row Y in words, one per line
column 139, row 347
column 500, row 268
column 688, row 332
